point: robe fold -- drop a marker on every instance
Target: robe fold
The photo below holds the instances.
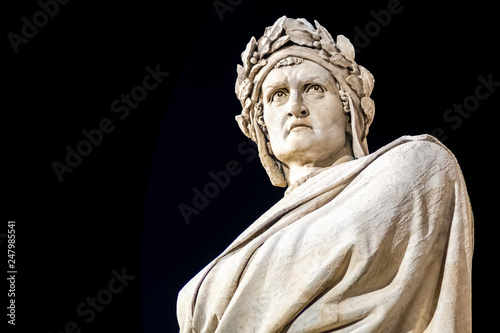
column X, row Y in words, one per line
column 382, row 244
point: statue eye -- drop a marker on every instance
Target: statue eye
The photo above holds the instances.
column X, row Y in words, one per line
column 278, row 95
column 314, row 88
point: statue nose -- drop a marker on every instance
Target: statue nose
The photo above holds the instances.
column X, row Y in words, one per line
column 297, row 108
column 298, row 114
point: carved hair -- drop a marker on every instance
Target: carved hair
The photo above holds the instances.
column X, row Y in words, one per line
column 289, row 61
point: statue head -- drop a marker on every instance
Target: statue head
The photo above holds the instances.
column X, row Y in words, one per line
column 303, row 96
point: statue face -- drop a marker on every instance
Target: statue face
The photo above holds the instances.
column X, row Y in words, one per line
column 303, row 114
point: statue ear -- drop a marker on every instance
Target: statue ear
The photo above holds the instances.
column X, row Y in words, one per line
column 260, row 120
column 262, row 125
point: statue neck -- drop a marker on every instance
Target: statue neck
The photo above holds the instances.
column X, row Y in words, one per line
column 295, row 173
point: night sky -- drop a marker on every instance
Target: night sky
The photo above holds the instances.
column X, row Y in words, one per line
column 120, row 114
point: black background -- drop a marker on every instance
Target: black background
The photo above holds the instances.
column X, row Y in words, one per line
column 119, row 207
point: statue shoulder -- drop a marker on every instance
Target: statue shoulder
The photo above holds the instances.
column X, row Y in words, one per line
column 419, row 156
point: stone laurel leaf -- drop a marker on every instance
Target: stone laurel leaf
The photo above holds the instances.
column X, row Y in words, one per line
column 368, row 107
column 298, row 24
column 241, row 78
column 247, row 87
column 248, row 103
column 242, row 123
column 267, row 31
column 301, row 37
column 326, row 40
column 244, row 119
column 339, row 60
column 328, row 46
column 323, row 33
column 368, row 80
column 308, row 26
column 280, row 42
column 274, row 31
column 241, row 73
column 247, row 54
column 355, row 83
column 256, row 68
column 300, row 31
column 345, row 47
column 264, row 45
column 244, row 88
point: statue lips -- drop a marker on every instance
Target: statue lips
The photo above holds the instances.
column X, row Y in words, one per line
column 298, row 125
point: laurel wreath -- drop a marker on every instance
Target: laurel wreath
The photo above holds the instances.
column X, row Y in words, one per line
column 300, row 32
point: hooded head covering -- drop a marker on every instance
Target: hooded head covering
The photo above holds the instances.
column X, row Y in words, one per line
column 289, row 38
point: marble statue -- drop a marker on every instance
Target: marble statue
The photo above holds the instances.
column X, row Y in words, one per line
column 361, row 242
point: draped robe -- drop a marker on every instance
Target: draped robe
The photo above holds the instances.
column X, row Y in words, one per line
column 382, row 243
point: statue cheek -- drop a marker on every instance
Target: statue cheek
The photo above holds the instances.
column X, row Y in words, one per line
column 325, row 112
column 273, row 118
